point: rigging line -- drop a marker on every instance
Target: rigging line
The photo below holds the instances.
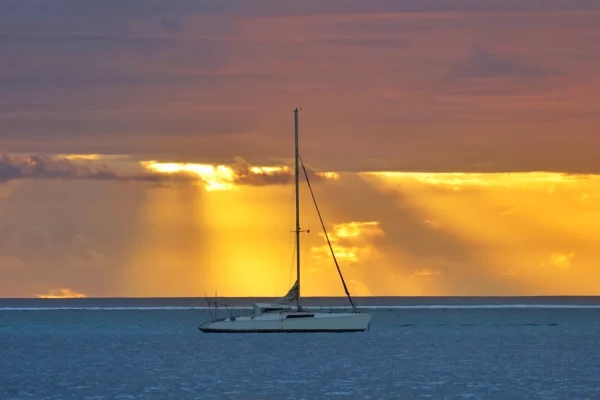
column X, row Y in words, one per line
column 305, row 243
column 327, row 236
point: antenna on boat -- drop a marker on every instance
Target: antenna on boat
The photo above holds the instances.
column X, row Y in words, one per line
column 209, row 307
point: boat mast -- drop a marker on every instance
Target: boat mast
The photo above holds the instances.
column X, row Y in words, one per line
column 297, row 175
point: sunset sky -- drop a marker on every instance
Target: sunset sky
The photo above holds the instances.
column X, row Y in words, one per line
column 146, row 146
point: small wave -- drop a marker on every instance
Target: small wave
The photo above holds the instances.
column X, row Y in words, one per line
column 479, row 324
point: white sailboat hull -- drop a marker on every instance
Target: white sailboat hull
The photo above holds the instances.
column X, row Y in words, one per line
column 291, row 322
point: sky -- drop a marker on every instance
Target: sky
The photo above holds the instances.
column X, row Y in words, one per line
column 146, row 147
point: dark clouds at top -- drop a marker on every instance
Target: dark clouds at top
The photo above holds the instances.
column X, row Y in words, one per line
column 385, row 84
column 114, row 9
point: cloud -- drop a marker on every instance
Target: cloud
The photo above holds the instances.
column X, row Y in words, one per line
column 561, row 261
column 44, row 167
column 350, row 241
column 386, row 85
column 107, row 168
column 465, row 181
column 481, row 63
column 474, row 247
column 61, row 293
column 105, row 238
column 13, row 167
column 223, row 84
column 427, row 272
column 389, row 243
column 225, row 177
column 144, row 9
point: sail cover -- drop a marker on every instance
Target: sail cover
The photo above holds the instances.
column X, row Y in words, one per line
column 291, row 296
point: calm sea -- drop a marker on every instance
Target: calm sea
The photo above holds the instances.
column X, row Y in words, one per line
column 435, row 348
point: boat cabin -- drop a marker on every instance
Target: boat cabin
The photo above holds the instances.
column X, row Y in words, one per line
column 263, row 308
column 275, row 308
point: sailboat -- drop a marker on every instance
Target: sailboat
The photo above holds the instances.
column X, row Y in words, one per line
column 287, row 314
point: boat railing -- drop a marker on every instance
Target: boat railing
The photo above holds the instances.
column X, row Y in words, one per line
column 213, row 309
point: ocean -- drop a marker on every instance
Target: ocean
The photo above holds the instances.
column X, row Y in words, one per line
column 417, row 348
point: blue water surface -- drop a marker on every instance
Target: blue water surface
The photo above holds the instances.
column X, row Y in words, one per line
column 134, row 349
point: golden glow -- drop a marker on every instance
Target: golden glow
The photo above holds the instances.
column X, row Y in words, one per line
column 560, row 260
column 81, row 156
column 538, row 228
column 62, row 293
column 348, row 241
column 250, row 249
column 224, row 177
column 169, row 255
column 94, row 157
column 459, row 180
column 427, row 272
column 394, row 234
column 331, row 176
column 193, row 243
column 219, row 177
column 529, row 233
column 270, row 170
column 354, row 229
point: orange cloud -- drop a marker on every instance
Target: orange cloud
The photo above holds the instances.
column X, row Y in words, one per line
column 404, row 234
column 126, row 168
column 427, row 272
column 62, row 293
column 350, row 241
column 561, row 261
column 217, row 177
column 465, row 180
column 524, row 227
column 227, row 177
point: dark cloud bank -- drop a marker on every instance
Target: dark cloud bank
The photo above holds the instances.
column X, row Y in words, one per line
column 13, row 167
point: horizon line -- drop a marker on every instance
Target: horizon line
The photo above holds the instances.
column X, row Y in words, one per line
column 304, row 297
